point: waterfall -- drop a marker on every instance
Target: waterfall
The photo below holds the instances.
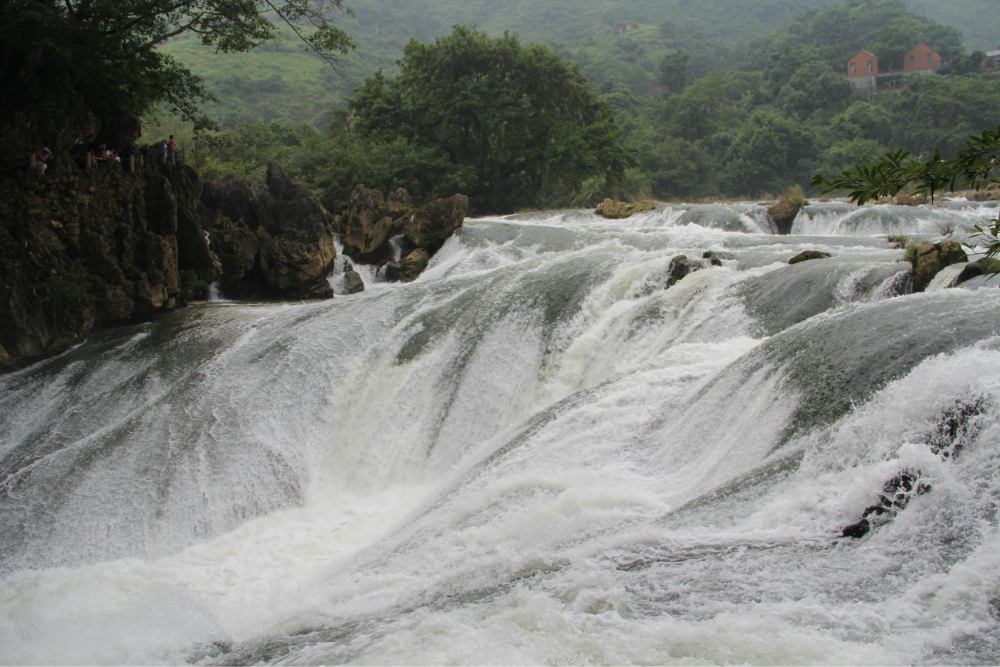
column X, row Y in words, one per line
column 536, row 452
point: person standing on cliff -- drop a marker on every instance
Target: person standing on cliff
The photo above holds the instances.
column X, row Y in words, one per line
column 172, row 150
column 41, row 156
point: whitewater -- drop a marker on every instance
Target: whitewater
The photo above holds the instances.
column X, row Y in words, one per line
column 534, row 453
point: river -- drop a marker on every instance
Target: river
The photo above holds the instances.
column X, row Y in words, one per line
column 532, row 454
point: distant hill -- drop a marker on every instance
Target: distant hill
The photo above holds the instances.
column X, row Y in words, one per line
column 619, row 44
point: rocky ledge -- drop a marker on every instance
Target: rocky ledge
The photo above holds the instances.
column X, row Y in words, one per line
column 371, row 220
column 275, row 244
column 85, row 248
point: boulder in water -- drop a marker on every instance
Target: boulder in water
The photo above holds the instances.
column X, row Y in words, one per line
column 806, row 255
column 617, row 210
column 353, row 282
column 981, row 267
column 895, row 496
column 715, row 257
column 784, row 212
column 931, row 258
column 413, row 265
column 681, row 266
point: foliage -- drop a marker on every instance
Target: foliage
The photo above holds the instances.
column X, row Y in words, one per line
column 103, row 53
column 510, row 119
column 973, row 167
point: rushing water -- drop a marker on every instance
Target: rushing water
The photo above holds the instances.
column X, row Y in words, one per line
column 533, row 454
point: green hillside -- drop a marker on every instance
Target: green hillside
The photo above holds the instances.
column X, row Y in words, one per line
column 281, row 82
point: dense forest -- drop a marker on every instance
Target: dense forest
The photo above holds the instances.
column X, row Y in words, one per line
column 711, row 100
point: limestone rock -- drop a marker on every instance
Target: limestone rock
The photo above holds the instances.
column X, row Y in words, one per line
column 616, row 210
column 931, row 258
column 430, row 225
column 806, row 255
column 275, row 244
column 79, row 249
column 371, row 221
column 784, row 212
column 414, row 264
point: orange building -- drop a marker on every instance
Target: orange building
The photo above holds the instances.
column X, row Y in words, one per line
column 921, row 59
column 862, row 70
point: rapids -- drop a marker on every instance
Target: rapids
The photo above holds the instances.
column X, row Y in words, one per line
column 532, row 454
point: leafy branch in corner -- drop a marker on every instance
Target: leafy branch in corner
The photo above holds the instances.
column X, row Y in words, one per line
column 973, row 168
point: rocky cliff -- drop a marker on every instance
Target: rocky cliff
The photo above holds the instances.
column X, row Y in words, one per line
column 276, row 243
column 82, row 248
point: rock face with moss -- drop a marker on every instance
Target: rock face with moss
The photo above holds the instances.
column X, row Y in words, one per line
column 371, row 220
column 931, row 258
column 617, row 210
column 784, row 212
column 84, row 248
column 271, row 244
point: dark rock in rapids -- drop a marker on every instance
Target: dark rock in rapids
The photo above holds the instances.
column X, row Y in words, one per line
column 895, row 496
column 956, row 426
column 981, row 267
column 353, row 283
column 806, row 255
column 931, row 258
column 784, row 212
column 715, row 257
column 273, row 244
column 681, row 266
column 413, row 265
column 83, row 248
column 371, row 220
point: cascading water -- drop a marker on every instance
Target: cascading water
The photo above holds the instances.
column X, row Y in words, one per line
column 533, row 454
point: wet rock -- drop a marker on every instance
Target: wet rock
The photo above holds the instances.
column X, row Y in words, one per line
column 414, row 264
column 370, row 222
column 894, row 497
column 981, row 267
column 715, row 257
column 617, row 210
column 101, row 247
column 274, row 244
column 391, row 272
column 931, row 258
column 681, row 266
column 806, row 255
column 784, row 212
column 353, row 282
column 430, row 225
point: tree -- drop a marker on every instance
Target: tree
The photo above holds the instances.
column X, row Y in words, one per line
column 674, row 72
column 973, row 167
column 64, row 58
column 512, row 120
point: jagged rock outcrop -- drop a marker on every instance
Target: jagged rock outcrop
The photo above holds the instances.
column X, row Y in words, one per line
column 931, row 258
column 271, row 244
column 371, row 220
column 83, row 248
column 616, row 210
column 807, row 255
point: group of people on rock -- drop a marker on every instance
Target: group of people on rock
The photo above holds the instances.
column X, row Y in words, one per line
column 104, row 156
column 164, row 151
